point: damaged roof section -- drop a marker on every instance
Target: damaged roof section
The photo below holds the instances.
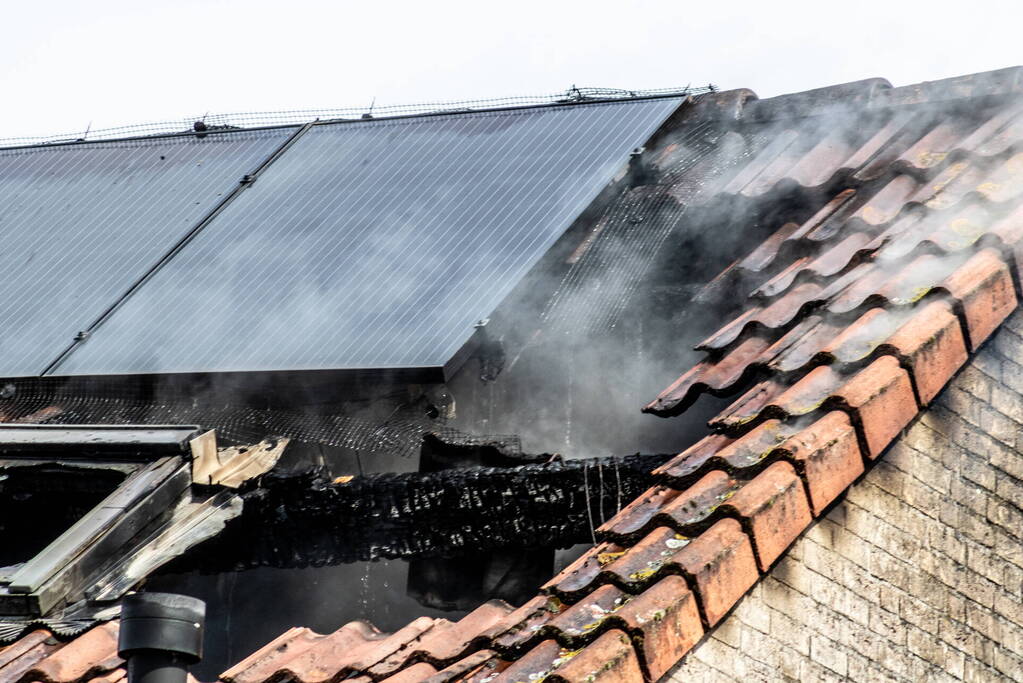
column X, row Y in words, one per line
column 153, row 513
column 307, row 519
column 177, row 491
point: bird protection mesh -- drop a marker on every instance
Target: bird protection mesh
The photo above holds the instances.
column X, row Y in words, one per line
column 209, row 121
column 401, row 433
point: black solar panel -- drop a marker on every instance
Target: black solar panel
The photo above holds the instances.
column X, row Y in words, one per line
column 372, row 244
column 79, row 223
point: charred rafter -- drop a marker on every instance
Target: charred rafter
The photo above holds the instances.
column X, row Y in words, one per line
column 308, row 519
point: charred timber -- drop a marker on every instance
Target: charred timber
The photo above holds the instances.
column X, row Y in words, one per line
column 309, row 519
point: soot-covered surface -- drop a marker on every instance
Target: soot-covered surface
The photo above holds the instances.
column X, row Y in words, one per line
column 308, row 520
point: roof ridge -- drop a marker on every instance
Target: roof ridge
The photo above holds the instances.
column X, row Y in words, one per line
column 743, row 104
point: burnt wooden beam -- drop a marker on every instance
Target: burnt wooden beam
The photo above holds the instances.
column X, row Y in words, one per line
column 313, row 519
column 57, row 573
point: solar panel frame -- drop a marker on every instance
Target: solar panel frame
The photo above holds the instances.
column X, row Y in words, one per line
column 214, row 295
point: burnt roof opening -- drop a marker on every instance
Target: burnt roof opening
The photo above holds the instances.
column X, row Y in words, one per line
column 395, row 546
column 40, row 501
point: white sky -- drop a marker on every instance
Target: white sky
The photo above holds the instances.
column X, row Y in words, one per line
column 67, row 63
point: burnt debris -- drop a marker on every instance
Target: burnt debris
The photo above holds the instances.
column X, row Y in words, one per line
column 308, row 519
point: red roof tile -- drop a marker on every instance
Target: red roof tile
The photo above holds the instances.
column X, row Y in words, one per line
column 774, row 508
column 412, row 674
column 536, row 663
column 584, row 618
column 521, row 624
column 611, row 658
column 302, row 655
column 444, row 641
column 827, row 456
column 857, row 317
column 481, row 664
column 39, row 656
column 664, row 620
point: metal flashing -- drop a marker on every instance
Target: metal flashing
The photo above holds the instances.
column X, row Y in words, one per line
column 134, row 442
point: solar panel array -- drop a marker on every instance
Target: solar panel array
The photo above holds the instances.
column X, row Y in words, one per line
column 366, row 245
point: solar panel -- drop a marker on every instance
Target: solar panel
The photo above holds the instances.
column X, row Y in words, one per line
column 79, row 223
column 372, row 244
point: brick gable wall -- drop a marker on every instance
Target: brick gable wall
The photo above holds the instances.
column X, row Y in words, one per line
column 917, row 574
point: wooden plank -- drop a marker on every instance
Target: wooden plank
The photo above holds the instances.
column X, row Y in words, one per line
column 71, row 582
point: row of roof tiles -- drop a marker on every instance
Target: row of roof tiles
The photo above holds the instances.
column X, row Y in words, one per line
column 882, row 245
column 39, row 656
column 857, row 317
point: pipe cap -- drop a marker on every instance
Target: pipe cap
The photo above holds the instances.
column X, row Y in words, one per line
column 162, row 621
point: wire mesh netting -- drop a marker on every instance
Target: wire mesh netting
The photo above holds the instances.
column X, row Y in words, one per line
column 401, row 433
column 631, row 233
column 210, row 121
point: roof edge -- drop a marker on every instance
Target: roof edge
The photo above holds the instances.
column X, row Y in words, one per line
column 743, row 105
column 845, row 96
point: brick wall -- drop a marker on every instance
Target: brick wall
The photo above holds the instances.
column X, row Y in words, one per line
column 917, row 574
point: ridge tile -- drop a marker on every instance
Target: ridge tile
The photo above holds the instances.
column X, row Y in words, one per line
column 828, row 454
column 882, row 399
column 667, row 616
column 609, row 659
column 931, row 343
column 774, row 506
column 983, row 286
column 721, row 564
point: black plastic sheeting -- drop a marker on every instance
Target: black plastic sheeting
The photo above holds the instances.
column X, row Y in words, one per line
column 80, row 223
column 372, row 244
column 307, row 520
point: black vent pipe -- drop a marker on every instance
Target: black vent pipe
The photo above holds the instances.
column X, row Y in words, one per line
column 160, row 636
